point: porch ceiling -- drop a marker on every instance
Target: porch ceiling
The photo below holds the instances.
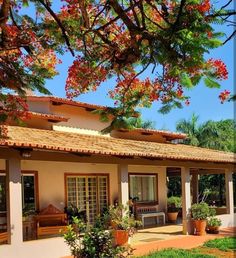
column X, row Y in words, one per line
column 14, row 136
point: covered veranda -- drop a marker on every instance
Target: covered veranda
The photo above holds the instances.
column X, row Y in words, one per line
column 119, row 164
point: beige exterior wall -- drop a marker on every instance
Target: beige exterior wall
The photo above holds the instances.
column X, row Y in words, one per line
column 52, row 184
column 51, row 181
column 39, row 106
column 39, row 123
column 79, row 117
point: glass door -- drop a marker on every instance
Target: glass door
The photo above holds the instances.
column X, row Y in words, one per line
column 88, row 193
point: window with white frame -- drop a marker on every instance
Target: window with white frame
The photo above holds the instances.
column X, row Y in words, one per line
column 143, row 187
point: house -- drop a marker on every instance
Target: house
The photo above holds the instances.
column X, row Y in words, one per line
column 61, row 158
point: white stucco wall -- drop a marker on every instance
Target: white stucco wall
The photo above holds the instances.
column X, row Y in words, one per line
column 228, row 220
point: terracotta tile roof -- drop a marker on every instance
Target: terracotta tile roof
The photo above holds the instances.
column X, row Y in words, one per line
column 58, row 100
column 44, row 116
column 79, row 143
column 168, row 134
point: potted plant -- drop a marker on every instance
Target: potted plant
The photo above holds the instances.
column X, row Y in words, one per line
column 213, row 225
column 173, row 207
column 124, row 225
column 72, row 211
column 200, row 213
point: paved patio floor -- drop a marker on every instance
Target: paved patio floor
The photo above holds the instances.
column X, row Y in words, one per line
column 172, row 239
column 170, row 236
column 153, row 234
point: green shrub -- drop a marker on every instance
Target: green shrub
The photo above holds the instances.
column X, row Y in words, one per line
column 96, row 242
column 214, row 222
column 200, row 211
column 174, row 203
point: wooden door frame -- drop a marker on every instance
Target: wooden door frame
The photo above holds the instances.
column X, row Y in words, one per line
column 86, row 175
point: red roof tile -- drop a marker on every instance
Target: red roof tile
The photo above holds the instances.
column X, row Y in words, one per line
column 45, row 116
column 90, row 144
column 65, row 101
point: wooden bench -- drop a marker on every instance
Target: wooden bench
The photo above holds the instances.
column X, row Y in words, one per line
column 51, row 221
column 148, row 211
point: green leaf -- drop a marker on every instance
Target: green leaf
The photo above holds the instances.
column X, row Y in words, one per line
column 186, row 81
column 165, row 109
column 214, row 43
column 210, row 83
column 196, row 79
column 25, row 3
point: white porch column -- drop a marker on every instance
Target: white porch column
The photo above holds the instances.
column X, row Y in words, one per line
column 14, row 203
column 124, row 183
column 186, row 199
column 229, row 192
column 195, row 187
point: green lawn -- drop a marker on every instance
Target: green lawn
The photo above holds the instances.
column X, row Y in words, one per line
column 223, row 244
column 177, row 253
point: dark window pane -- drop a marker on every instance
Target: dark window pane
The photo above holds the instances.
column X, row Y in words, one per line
column 3, row 193
column 28, row 192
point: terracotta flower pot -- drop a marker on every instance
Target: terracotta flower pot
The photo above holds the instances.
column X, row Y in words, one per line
column 213, row 229
column 200, row 227
column 121, row 237
column 172, row 216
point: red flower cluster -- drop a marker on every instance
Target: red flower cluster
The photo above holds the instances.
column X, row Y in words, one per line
column 204, row 6
column 219, row 68
column 82, row 77
column 224, row 95
column 13, row 107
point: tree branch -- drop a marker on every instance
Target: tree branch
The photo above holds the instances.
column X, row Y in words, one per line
column 230, row 37
column 4, row 14
column 58, row 21
column 123, row 16
column 181, row 7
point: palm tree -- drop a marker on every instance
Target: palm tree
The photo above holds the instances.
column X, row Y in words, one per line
column 204, row 135
column 219, row 135
column 189, row 127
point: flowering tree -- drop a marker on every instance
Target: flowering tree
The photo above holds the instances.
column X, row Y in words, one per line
column 112, row 38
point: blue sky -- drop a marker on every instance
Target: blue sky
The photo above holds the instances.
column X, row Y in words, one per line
column 204, row 101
